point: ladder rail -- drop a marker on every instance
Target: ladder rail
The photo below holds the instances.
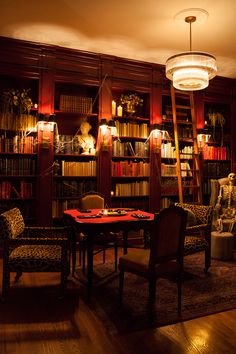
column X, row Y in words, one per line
column 195, row 147
column 196, row 171
column 178, row 161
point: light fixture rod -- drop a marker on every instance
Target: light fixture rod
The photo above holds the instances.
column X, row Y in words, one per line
column 190, row 20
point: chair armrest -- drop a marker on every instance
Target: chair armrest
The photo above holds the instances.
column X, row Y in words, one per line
column 63, row 242
column 202, row 230
column 47, row 232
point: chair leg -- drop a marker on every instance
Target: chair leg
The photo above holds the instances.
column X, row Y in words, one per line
column 207, row 260
column 116, row 255
column 83, row 256
column 152, row 298
column 80, row 254
column 64, row 273
column 179, row 285
column 5, row 284
column 104, row 254
column 121, row 287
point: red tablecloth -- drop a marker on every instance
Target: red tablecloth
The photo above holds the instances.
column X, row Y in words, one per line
column 105, row 219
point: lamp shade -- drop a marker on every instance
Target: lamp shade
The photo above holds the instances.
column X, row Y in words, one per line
column 191, row 71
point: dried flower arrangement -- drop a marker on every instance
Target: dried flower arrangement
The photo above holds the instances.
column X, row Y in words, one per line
column 15, row 101
column 217, row 118
column 132, row 101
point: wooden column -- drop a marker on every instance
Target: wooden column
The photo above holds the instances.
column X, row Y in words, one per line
column 105, row 141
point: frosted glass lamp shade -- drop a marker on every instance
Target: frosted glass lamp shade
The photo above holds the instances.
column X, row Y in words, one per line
column 191, row 71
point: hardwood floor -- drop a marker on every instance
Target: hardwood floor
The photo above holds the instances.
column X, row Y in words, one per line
column 35, row 321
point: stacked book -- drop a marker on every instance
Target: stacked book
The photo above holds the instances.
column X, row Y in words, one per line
column 76, row 104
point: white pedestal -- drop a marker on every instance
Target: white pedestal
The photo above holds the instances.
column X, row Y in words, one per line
column 222, row 245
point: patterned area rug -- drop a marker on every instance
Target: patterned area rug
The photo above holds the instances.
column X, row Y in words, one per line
column 203, row 294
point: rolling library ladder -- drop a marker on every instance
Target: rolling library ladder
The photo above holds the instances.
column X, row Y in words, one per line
column 190, row 186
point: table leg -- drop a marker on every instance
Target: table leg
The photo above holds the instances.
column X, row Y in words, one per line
column 73, row 251
column 89, row 265
column 125, row 241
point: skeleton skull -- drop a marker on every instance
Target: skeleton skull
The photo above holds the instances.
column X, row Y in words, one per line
column 232, row 178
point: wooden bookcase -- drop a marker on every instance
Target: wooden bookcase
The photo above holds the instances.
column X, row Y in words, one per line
column 52, row 73
column 217, row 153
column 18, row 144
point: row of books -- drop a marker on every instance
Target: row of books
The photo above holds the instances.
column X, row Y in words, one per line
column 22, row 122
column 72, row 188
column 165, row 202
column 77, row 104
column 58, row 207
column 169, row 151
column 169, row 187
column 20, row 190
column 132, row 129
column 210, row 152
column 72, row 168
column 17, row 166
column 139, row 148
column 207, row 187
column 130, row 168
column 185, row 132
column 168, row 170
column 132, row 189
column 171, row 170
column 215, row 169
column 18, row 144
column 182, row 114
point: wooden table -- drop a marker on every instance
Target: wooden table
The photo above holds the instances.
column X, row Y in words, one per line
column 95, row 223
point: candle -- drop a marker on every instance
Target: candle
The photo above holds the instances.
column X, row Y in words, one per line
column 105, row 212
column 119, row 111
column 113, row 108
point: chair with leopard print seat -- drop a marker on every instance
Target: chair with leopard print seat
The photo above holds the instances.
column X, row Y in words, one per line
column 32, row 249
column 198, row 231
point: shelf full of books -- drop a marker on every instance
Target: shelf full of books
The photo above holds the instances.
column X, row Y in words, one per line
column 130, row 168
column 82, row 168
column 211, row 152
column 214, row 170
column 18, row 144
column 128, row 148
column 67, row 191
column 17, row 189
column 17, row 166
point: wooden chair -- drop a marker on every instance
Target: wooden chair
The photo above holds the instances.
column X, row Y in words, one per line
column 94, row 200
column 164, row 258
column 32, row 249
column 198, row 230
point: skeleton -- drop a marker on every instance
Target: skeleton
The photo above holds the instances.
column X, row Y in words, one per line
column 225, row 210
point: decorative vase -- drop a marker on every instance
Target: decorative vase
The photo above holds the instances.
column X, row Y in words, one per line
column 130, row 108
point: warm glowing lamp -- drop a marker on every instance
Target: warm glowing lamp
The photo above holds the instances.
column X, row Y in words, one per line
column 112, row 127
column 203, row 137
column 191, row 70
column 103, row 126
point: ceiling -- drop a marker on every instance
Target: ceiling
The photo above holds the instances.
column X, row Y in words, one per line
column 143, row 30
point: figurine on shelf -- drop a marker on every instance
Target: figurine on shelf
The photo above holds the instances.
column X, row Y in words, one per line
column 225, row 207
column 86, row 141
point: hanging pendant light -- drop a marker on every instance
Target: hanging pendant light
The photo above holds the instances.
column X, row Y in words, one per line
column 191, row 71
